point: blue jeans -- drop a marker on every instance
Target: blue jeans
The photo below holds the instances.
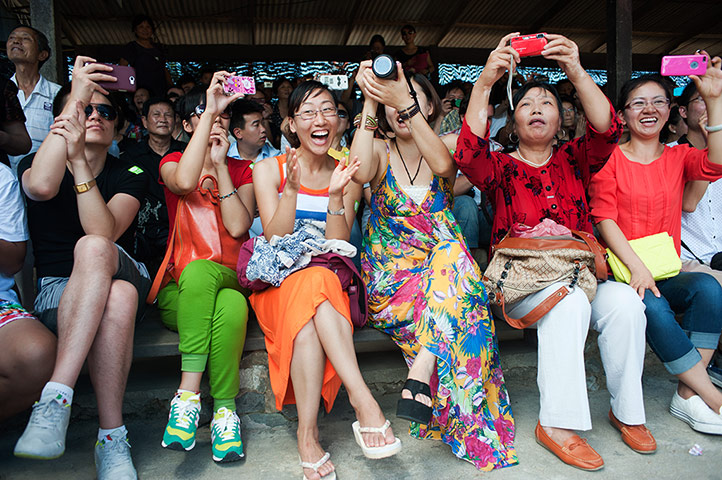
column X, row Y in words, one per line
column 699, row 297
column 474, row 226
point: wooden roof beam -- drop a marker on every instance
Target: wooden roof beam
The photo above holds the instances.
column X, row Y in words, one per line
column 551, row 12
column 350, row 22
column 453, row 20
column 711, row 22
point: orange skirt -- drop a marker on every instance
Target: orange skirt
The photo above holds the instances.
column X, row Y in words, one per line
column 282, row 312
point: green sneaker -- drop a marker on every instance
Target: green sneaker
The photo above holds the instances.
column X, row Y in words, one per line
column 226, row 443
column 185, row 410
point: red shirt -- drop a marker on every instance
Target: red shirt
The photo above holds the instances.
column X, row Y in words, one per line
column 527, row 194
column 240, row 170
column 644, row 199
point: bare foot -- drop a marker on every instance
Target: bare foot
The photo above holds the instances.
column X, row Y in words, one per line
column 559, row 435
column 310, row 451
column 421, row 370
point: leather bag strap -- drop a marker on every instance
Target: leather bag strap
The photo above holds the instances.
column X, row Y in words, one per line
column 537, row 313
column 600, row 255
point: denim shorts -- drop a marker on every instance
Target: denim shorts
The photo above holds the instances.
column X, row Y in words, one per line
column 50, row 289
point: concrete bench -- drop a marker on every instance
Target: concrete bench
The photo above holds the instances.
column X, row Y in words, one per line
column 152, row 339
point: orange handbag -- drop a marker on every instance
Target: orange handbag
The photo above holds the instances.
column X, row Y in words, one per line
column 198, row 234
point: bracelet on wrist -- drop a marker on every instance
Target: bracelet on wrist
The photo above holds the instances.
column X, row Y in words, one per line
column 223, row 197
column 335, row 212
column 371, row 123
column 409, row 112
column 713, row 128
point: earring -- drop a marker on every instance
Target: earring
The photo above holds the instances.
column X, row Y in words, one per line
column 511, row 140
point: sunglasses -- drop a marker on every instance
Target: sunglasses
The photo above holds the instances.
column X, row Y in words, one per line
column 106, row 112
column 198, row 111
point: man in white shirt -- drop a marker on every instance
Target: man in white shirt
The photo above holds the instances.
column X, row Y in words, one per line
column 28, row 49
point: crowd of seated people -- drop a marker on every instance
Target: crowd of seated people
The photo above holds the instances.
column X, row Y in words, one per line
column 173, row 182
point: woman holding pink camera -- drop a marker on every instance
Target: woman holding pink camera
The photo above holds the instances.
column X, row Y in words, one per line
column 539, row 181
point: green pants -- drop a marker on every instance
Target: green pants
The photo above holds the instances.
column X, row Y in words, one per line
column 209, row 312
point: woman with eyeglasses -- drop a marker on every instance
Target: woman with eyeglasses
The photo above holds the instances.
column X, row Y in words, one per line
column 307, row 320
column 537, row 181
column 638, row 193
column 425, row 290
column 203, row 302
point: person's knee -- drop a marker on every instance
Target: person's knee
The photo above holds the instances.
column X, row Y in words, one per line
column 307, row 336
column 573, row 311
column 195, row 270
column 122, row 303
column 95, row 251
column 235, row 309
column 706, row 289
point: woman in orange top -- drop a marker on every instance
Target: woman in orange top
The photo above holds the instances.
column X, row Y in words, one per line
column 306, row 321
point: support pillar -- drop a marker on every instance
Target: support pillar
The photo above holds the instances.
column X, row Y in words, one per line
column 619, row 45
column 44, row 17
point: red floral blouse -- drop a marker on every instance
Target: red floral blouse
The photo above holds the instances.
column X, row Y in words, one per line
column 522, row 193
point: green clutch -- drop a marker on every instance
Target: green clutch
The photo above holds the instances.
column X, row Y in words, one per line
column 656, row 251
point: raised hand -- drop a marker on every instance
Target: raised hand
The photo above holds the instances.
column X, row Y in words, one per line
column 86, row 75
column 499, row 61
column 219, row 145
column 363, row 66
column 341, row 175
column 293, row 171
column 394, row 93
column 566, row 54
column 709, row 85
column 216, row 98
column 71, row 126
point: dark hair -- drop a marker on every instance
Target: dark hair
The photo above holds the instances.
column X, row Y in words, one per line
column 138, row 19
column 207, row 69
column 453, row 85
column 674, row 117
column 277, row 83
column 306, row 90
column 377, row 38
column 186, row 105
column 60, row 99
column 41, row 39
column 689, row 90
column 409, row 28
column 568, row 99
column 428, row 91
column 186, row 79
column 239, row 110
column 156, row 101
column 464, row 106
column 519, row 94
column 631, row 85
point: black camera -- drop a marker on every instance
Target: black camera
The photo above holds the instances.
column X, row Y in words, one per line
column 384, row 66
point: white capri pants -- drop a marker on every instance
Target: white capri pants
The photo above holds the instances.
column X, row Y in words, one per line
column 617, row 313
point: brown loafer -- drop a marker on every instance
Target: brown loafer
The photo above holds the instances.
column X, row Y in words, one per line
column 575, row 451
column 637, row 437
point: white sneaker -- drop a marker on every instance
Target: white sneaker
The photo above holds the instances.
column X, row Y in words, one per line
column 112, row 457
column 696, row 413
column 44, row 437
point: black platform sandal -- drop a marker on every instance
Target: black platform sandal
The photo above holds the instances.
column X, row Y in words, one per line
column 410, row 408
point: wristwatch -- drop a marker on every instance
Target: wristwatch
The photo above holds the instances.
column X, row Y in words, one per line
column 335, row 212
column 84, row 187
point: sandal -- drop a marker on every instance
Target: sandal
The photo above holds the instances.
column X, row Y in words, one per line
column 317, row 465
column 375, row 452
column 410, row 408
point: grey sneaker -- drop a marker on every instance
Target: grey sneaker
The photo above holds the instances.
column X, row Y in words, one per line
column 112, row 458
column 44, row 437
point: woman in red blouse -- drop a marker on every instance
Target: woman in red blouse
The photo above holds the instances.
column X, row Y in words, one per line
column 639, row 193
column 539, row 181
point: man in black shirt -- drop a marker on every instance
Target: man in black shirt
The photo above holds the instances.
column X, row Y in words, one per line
column 152, row 234
column 82, row 205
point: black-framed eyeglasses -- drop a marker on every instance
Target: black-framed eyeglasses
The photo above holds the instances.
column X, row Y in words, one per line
column 106, row 112
column 198, row 111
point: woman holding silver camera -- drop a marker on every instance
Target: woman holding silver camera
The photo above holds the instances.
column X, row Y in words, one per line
column 538, row 181
column 424, row 288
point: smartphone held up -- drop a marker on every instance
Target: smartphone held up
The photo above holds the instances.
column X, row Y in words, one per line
column 683, row 65
column 237, row 84
column 125, row 79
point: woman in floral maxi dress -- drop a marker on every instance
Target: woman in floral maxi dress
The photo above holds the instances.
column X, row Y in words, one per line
column 424, row 289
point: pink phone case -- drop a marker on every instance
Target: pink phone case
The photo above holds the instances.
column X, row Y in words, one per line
column 684, row 65
column 244, row 85
column 126, row 79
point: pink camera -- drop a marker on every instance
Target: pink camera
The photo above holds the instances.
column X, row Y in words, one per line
column 236, row 84
column 529, row 45
column 684, row 65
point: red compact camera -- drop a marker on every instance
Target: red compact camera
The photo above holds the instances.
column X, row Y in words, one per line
column 529, row 45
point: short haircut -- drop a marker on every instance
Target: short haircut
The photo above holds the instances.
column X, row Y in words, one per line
column 519, row 94
column 186, row 105
column 156, row 101
column 631, row 85
column 239, row 110
column 426, row 88
column 454, row 85
column 186, row 79
column 689, row 90
column 138, row 19
column 568, row 99
column 41, row 39
column 61, row 98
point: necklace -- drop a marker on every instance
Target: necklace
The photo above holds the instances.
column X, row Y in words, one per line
column 518, row 152
column 403, row 162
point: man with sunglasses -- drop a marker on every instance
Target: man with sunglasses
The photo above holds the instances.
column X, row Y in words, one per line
column 82, row 205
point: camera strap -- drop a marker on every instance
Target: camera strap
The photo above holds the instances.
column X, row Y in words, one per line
column 509, row 80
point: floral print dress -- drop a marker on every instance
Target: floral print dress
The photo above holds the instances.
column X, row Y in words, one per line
column 424, row 290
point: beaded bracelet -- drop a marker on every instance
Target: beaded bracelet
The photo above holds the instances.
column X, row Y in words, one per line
column 223, row 197
column 371, row 123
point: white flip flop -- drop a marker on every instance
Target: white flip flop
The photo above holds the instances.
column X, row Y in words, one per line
column 317, row 465
column 375, row 452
